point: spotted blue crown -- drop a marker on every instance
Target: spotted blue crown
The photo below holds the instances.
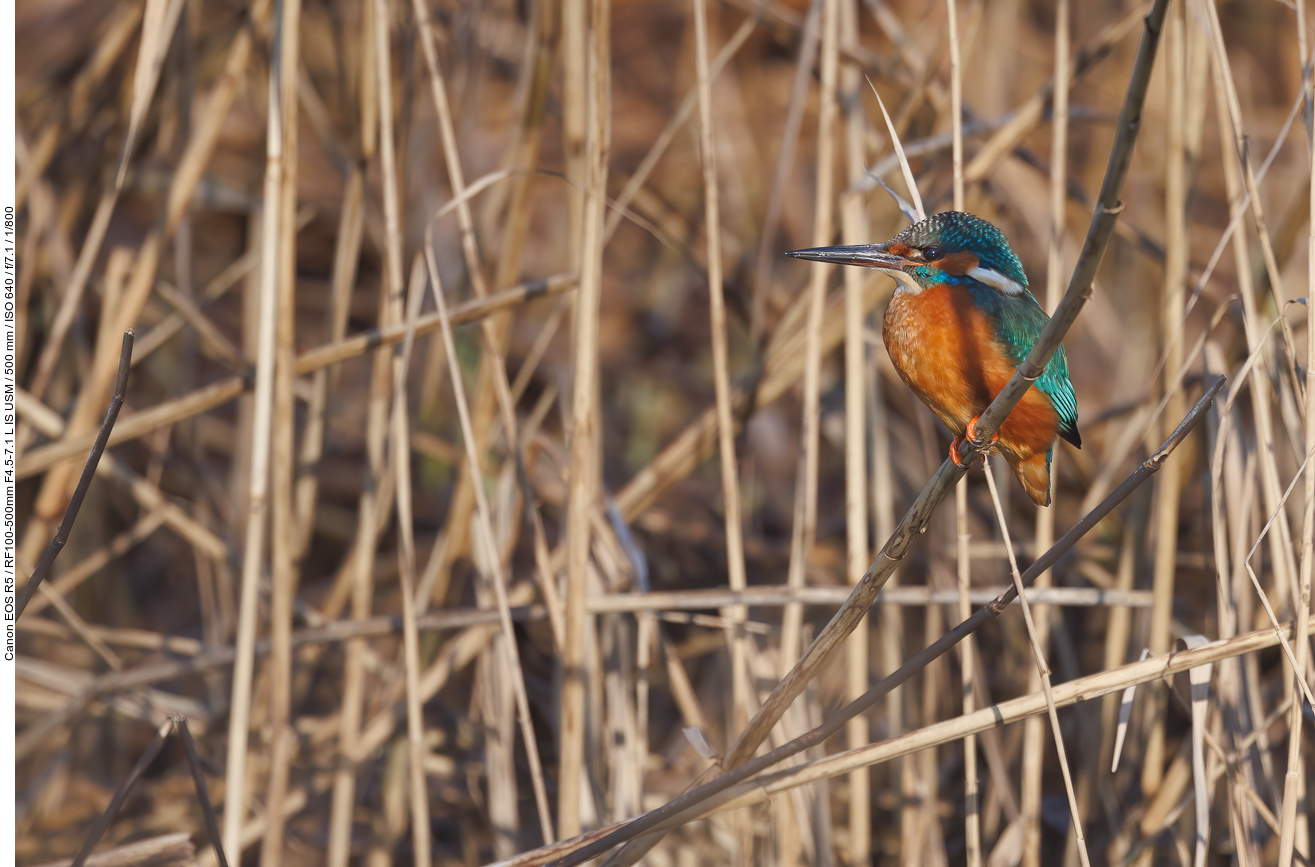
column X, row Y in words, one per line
column 956, row 231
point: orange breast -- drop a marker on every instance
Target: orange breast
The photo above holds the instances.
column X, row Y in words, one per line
column 945, row 348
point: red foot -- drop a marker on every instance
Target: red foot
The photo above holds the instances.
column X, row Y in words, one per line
column 971, row 436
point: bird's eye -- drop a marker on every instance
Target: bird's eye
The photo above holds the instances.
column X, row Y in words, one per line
column 931, row 254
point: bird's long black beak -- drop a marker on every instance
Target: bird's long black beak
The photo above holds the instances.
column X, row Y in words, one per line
column 866, row 255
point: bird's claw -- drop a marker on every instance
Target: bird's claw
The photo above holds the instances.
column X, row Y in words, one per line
column 970, row 435
column 954, row 453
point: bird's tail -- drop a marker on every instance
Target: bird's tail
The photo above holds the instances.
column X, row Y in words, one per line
column 1034, row 473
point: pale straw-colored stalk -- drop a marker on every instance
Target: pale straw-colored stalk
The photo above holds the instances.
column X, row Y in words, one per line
column 346, row 256
column 1034, row 732
column 855, row 229
column 794, row 121
column 357, row 572
column 491, row 555
column 678, row 119
column 394, row 374
column 236, row 788
column 730, row 475
column 584, row 417
column 823, row 223
column 1169, row 489
column 399, row 436
column 1039, row 657
column 967, row 651
column 1295, row 833
column 283, row 525
column 1064, row 695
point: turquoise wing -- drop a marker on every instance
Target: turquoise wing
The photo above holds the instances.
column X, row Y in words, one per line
column 1019, row 321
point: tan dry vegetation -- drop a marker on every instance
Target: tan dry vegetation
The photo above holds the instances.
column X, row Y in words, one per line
column 283, row 542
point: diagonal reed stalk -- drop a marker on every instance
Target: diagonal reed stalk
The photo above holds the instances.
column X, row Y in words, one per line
column 689, row 805
column 493, row 557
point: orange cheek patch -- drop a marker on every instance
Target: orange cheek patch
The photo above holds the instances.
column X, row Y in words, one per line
column 899, row 249
column 958, row 264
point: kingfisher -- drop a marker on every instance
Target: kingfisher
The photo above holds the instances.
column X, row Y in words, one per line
column 960, row 322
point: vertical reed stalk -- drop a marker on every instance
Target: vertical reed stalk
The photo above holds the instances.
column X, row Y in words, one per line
column 236, row 783
column 492, row 556
column 400, row 437
column 968, row 668
column 394, row 374
column 1034, row 732
column 1228, row 517
column 730, row 475
column 1283, row 566
column 794, row 119
column 346, row 257
column 584, row 438
column 823, row 227
column 1228, row 111
column 856, row 229
column 358, row 574
column 1175, row 273
column 492, row 393
column 972, row 806
column 914, row 833
column 283, row 538
column 1295, row 829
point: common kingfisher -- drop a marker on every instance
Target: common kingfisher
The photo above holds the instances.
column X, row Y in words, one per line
column 959, row 324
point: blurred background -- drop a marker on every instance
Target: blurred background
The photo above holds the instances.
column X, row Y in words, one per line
column 145, row 200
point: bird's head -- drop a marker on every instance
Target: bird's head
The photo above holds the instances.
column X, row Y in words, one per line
column 950, row 247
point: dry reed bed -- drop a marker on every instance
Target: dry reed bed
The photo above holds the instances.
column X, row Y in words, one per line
column 374, row 251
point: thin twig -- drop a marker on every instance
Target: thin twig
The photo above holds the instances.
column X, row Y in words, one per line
column 121, row 794
column 492, row 556
column 1038, row 654
column 202, row 789
column 88, row 473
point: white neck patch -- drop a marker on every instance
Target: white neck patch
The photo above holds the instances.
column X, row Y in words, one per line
column 996, row 280
column 904, row 282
